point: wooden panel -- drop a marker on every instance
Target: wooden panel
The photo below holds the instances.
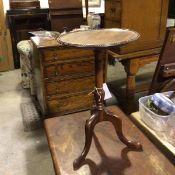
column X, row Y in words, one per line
column 66, row 19
column 55, row 4
column 67, row 104
column 24, row 4
column 69, row 86
column 112, row 24
column 69, row 68
column 55, row 54
column 113, row 10
column 149, row 19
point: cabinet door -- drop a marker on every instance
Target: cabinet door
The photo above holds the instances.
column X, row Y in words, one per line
column 149, row 19
column 62, row 4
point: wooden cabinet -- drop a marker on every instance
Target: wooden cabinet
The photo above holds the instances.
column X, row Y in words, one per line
column 24, row 4
column 60, row 4
column 148, row 18
column 22, row 21
column 65, row 15
column 64, row 77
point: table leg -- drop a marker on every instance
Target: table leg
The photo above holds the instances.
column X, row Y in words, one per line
column 99, row 114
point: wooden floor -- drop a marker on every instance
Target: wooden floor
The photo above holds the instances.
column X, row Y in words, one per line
column 107, row 156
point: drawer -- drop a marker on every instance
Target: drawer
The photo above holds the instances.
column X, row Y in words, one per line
column 70, row 85
column 69, row 68
column 55, row 54
column 69, row 104
column 112, row 24
column 113, row 10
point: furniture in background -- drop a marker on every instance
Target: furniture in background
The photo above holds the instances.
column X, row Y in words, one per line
column 99, row 41
column 171, row 11
column 64, row 77
column 148, row 18
column 67, row 15
column 164, row 76
column 24, row 4
column 158, row 138
column 106, row 156
column 26, row 52
column 132, row 63
column 6, row 58
column 22, row 21
column 142, row 17
column 163, row 80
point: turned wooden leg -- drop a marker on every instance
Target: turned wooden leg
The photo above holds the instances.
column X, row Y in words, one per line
column 89, row 128
column 117, row 123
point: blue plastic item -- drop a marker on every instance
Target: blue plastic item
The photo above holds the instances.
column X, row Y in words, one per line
column 163, row 103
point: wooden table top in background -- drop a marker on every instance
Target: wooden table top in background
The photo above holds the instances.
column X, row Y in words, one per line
column 108, row 155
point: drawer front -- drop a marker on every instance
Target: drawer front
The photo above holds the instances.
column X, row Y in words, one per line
column 55, row 54
column 69, row 104
column 70, row 85
column 113, row 10
column 69, row 68
column 112, row 24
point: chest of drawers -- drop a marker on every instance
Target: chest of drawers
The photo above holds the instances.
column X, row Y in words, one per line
column 63, row 77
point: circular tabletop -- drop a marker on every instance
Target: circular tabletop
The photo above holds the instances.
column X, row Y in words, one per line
column 101, row 38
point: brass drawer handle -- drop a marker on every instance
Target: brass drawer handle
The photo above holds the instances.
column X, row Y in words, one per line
column 56, row 73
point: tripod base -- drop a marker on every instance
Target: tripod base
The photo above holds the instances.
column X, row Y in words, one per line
column 96, row 117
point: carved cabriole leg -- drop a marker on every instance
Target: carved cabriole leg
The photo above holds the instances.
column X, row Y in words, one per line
column 117, row 123
column 89, row 128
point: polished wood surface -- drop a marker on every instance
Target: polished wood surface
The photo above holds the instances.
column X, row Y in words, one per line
column 141, row 16
column 64, row 77
column 107, row 154
column 98, row 38
column 99, row 113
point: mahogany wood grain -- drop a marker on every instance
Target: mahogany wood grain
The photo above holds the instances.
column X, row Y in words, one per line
column 99, row 41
